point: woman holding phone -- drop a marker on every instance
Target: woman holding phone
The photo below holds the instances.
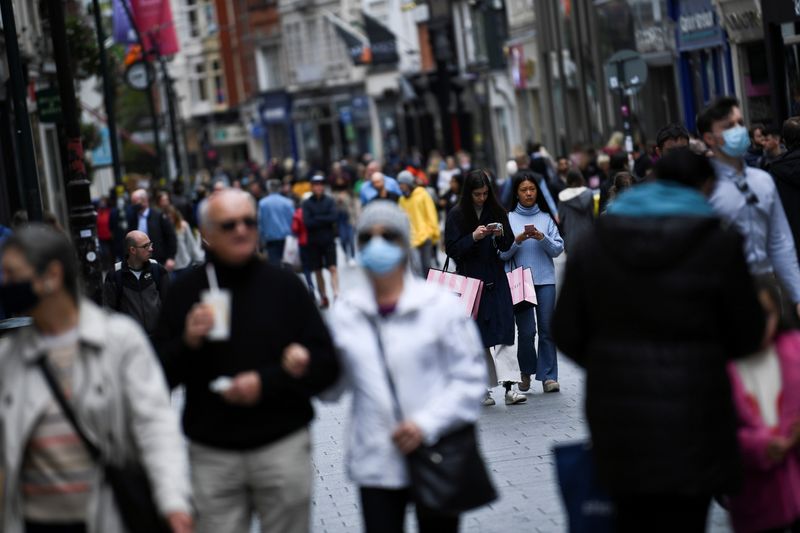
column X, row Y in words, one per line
column 536, row 243
column 476, row 230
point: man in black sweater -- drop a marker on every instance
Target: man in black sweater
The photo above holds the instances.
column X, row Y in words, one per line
column 245, row 416
column 320, row 215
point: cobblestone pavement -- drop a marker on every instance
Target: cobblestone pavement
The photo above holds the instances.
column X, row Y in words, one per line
column 516, row 441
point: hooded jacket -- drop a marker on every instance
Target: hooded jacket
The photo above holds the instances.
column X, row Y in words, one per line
column 576, row 212
column 786, row 172
column 653, row 307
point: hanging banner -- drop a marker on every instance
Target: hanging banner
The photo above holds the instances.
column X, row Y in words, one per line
column 382, row 41
column 123, row 31
column 359, row 52
column 154, row 20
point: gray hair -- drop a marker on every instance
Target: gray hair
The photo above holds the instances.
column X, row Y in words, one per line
column 42, row 245
column 202, row 210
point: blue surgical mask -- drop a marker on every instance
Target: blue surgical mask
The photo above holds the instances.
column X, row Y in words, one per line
column 380, row 257
column 737, row 141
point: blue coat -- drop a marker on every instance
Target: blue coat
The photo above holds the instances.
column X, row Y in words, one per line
column 480, row 260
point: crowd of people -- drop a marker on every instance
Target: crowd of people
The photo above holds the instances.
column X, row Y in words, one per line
column 681, row 299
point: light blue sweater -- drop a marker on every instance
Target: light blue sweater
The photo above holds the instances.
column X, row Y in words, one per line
column 536, row 255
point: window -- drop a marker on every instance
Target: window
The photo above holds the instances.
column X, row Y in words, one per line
column 194, row 23
column 199, row 83
column 268, row 65
column 219, row 81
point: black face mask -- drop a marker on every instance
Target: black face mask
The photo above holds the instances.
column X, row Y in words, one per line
column 18, row 298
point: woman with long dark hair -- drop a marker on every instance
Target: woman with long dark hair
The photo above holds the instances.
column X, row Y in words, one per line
column 476, row 230
column 537, row 242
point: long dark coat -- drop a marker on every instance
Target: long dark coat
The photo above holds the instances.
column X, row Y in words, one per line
column 480, row 260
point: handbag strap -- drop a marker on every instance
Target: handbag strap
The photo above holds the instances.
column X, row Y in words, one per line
column 61, row 399
column 446, row 262
column 398, row 411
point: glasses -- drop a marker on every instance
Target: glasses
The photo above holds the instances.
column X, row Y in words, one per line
column 145, row 246
column 389, row 236
column 231, row 225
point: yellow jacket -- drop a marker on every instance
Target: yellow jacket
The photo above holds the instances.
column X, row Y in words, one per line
column 423, row 217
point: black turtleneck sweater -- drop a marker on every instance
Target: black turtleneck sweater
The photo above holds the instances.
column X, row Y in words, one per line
column 270, row 310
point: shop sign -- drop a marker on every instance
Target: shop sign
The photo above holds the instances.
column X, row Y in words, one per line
column 229, row 135
column 697, row 25
column 655, row 39
column 48, row 103
column 275, row 108
column 742, row 20
column 101, row 156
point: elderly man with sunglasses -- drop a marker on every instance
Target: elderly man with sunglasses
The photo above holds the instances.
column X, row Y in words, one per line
column 138, row 285
column 747, row 197
column 223, row 334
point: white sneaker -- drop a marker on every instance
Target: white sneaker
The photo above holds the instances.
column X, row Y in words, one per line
column 488, row 401
column 351, row 262
column 514, row 397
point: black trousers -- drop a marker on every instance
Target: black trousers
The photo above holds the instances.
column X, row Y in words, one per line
column 662, row 513
column 33, row 527
column 384, row 511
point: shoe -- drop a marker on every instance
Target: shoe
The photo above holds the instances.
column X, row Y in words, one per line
column 514, row 397
column 525, row 384
column 324, row 303
column 551, row 385
column 351, row 262
column 488, row 401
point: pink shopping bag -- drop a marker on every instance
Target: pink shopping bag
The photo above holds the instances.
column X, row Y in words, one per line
column 469, row 290
column 523, row 293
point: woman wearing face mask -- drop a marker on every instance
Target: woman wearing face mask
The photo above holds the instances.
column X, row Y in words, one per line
column 476, row 231
column 536, row 244
column 433, row 354
column 104, row 365
column 766, row 394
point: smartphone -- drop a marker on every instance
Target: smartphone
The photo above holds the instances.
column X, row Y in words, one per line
column 494, row 226
column 530, row 228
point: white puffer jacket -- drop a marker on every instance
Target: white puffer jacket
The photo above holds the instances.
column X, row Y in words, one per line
column 436, row 359
column 120, row 397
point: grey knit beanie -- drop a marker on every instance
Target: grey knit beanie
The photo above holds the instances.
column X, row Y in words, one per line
column 387, row 214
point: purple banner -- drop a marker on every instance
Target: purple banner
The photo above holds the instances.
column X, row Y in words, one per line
column 123, row 31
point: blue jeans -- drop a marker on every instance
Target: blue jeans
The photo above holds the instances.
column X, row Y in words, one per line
column 275, row 252
column 347, row 236
column 546, row 365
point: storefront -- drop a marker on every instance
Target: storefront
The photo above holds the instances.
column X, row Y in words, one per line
column 743, row 23
column 277, row 130
column 782, row 38
column 705, row 61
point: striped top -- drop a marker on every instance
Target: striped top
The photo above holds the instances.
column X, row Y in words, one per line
column 536, row 255
column 57, row 471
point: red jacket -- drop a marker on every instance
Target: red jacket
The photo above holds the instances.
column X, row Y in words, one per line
column 299, row 227
column 104, row 223
column 770, row 494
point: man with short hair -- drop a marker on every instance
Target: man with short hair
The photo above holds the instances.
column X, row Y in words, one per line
column 424, row 220
column 773, row 148
column 379, row 182
column 246, row 417
column 670, row 137
column 320, row 215
column 368, row 191
column 138, row 285
column 756, row 150
column 747, row 198
column 275, row 213
column 156, row 225
column 785, row 171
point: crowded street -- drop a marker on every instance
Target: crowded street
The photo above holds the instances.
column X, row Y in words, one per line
column 399, row 266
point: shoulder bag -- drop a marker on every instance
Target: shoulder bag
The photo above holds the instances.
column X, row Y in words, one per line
column 129, row 484
column 449, row 476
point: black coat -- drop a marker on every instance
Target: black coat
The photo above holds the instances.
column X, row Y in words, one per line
column 653, row 309
column 786, row 172
column 320, row 216
column 160, row 231
column 480, row 260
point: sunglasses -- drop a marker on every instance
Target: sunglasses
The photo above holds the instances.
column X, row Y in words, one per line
column 749, row 195
column 388, row 236
column 230, row 225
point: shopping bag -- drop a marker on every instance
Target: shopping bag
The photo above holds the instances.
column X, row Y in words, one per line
column 469, row 290
column 291, row 253
column 588, row 505
column 523, row 293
